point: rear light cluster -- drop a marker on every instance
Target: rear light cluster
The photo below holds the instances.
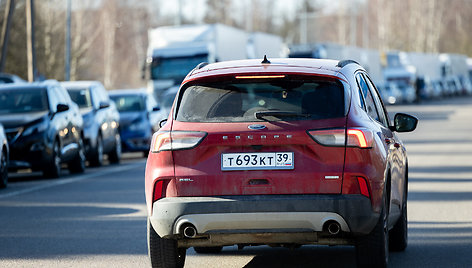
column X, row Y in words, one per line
column 356, row 137
column 175, row 140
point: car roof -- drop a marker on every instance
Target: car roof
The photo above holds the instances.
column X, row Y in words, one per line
column 33, row 85
column 78, row 84
column 139, row 91
column 277, row 65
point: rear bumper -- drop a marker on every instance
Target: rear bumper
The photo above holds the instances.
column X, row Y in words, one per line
column 263, row 214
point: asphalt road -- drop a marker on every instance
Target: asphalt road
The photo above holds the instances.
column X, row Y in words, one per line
column 98, row 219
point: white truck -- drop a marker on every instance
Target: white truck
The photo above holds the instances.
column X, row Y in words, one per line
column 173, row 51
column 260, row 44
column 368, row 58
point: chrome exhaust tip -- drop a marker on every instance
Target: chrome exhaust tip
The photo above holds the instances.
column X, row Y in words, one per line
column 189, row 231
column 333, row 227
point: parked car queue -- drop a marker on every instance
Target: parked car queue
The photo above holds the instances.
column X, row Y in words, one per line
column 399, row 92
column 48, row 125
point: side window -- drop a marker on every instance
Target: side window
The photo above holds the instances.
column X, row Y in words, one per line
column 369, row 100
column 378, row 102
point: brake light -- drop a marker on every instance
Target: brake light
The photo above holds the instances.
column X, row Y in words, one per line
column 259, row 76
column 359, row 137
column 175, row 140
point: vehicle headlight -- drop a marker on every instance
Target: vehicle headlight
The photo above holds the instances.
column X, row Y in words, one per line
column 140, row 125
column 37, row 128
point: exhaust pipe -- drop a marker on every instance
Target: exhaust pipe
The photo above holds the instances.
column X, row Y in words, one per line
column 189, row 231
column 333, row 227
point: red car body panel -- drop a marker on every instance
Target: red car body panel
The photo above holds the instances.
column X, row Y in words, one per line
column 198, row 171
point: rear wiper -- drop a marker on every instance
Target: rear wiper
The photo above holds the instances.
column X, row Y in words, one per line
column 261, row 114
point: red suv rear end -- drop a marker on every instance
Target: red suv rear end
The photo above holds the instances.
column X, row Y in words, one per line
column 286, row 153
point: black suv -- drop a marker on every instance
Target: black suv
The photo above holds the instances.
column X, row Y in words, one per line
column 101, row 120
column 43, row 127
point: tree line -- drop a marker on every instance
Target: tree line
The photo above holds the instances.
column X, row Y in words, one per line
column 109, row 37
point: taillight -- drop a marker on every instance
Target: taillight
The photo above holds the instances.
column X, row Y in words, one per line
column 356, row 137
column 175, row 140
column 362, row 138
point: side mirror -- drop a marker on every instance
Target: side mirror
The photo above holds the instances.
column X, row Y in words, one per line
column 155, row 109
column 404, row 123
column 103, row 105
column 163, row 122
column 62, row 107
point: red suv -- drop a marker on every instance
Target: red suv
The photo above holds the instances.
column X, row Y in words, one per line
column 287, row 153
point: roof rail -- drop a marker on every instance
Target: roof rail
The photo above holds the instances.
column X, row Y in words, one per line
column 198, row 67
column 343, row 63
column 201, row 65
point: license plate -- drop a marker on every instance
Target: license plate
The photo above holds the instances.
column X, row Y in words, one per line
column 257, row 161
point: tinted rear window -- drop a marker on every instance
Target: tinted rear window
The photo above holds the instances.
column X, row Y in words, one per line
column 268, row 100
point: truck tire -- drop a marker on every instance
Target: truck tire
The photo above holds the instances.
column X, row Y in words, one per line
column 164, row 253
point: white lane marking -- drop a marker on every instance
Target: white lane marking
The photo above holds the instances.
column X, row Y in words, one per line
column 71, row 180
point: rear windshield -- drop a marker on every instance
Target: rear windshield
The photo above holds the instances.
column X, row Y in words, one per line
column 14, row 101
column 253, row 101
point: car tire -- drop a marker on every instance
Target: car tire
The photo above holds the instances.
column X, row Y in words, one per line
column 3, row 169
column 372, row 250
column 115, row 155
column 53, row 168
column 78, row 164
column 208, row 250
column 399, row 233
column 164, row 253
column 97, row 156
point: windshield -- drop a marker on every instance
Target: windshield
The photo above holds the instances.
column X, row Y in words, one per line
column 129, row 103
column 81, row 97
column 285, row 100
column 175, row 68
column 15, row 101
